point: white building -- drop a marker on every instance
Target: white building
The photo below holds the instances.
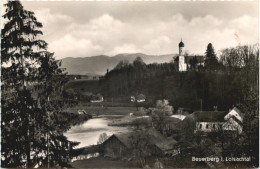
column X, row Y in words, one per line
column 211, row 121
column 182, row 64
column 236, row 113
column 191, row 62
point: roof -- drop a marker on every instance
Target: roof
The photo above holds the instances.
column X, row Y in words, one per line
column 140, row 96
column 124, row 138
column 155, row 138
column 195, row 58
column 236, row 120
column 209, row 116
column 181, row 44
column 190, row 58
column 178, row 116
column 238, row 111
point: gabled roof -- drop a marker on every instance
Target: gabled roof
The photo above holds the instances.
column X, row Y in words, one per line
column 235, row 119
column 188, row 59
column 238, row 111
column 140, row 96
column 178, row 116
column 197, row 58
column 154, row 138
column 209, row 116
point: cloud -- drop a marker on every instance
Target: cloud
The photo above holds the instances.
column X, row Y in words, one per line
column 106, row 34
column 70, row 46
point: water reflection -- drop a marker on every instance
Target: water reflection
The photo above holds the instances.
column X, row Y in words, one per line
column 88, row 132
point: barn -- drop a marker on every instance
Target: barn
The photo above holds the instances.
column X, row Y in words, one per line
column 124, row 145
column 118, row 145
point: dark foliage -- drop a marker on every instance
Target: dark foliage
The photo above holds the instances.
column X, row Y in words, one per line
column 32, row 122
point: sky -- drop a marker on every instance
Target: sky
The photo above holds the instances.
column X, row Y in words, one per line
column 89, row 28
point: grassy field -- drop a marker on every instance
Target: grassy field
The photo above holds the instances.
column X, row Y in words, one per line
column 106, row 162
column 103, row 162
column 109, row 104
column 94, row 110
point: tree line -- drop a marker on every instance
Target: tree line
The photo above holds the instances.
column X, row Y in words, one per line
column 221, row 82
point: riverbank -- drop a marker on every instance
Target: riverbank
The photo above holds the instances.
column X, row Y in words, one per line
column 101, row 110
column 88, row 132
column 130, row 120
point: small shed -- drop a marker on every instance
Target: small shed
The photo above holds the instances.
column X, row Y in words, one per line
column 140, row 98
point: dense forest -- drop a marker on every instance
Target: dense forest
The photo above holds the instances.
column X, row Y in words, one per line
column 222, row 82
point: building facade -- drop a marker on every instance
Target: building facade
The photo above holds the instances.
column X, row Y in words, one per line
column 182, row 66
column 185, row 63
column 213, row 121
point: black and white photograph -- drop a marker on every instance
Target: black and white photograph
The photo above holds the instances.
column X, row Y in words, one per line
column 129, row 84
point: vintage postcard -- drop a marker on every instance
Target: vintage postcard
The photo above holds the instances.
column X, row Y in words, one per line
column 130, row 84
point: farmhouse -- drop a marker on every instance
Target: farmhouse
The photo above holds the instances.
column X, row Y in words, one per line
column 236, row 113
column 211, row 121
column 125, row 144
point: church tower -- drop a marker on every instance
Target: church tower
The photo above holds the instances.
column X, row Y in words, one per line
column 182, row 64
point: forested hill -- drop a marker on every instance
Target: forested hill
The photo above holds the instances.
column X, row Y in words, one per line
column 224, row 83
column 100, row 64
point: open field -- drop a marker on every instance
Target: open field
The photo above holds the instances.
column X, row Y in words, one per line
column 103, row 162
column 110, row 104
column 104, row 110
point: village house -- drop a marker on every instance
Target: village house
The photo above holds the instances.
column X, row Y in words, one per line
column 139, row 98
column 211, row 121
column 97, row 98
column 123, row 145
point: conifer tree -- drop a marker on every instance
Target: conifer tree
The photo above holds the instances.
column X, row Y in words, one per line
column 211, row 61
column 31, row 94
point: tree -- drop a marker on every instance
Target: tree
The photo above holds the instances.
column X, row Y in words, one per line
column 140, row 145
column 102, row 138
column 32, row 94
column 159, row 116
column 211, row 61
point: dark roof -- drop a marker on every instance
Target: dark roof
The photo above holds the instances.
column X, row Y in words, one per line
column 190, row 58
column 235, row 119
column 140, row 96
column 176, row 59
column 196, row 58
column 238, row 111
column 155, row 138
column 181, row 44
column 209, row 116
column 124, row 138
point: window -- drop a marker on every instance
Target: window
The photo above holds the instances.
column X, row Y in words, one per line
column 200, row 126
column 207, row 126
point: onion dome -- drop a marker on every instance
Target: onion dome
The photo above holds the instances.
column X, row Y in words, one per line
column 181, row 44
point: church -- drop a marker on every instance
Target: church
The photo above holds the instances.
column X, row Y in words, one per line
column 188, row 62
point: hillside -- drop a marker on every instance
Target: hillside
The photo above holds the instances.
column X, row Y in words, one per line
column 100, row 64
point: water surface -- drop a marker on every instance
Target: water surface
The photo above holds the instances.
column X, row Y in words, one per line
column 88, row 132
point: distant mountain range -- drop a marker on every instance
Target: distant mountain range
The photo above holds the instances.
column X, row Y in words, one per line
column 98, row 65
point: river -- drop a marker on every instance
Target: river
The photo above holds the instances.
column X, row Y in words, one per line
column 88, row 133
